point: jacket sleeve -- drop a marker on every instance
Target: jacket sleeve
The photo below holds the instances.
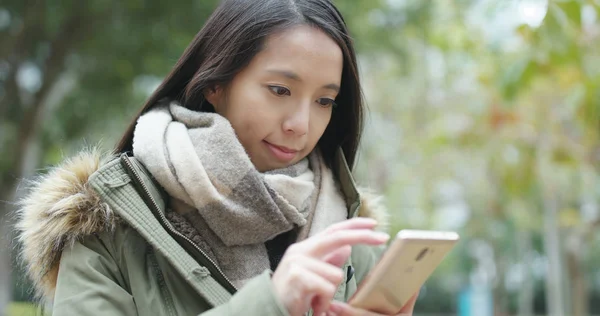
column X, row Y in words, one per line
column 364, row 258
column 257, row 297
column 91, row 283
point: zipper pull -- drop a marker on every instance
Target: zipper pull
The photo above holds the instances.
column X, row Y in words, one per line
column 349, row 273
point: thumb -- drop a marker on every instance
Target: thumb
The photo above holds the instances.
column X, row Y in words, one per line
column 408, row 308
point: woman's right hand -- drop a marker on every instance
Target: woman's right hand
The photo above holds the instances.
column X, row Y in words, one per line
column 309, row 272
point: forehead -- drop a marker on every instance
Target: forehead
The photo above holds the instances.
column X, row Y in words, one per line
column 304, row 50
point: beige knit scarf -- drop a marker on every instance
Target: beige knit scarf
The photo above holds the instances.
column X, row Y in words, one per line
column 197, row 158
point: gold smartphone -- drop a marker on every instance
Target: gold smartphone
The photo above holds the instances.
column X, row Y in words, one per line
column 402, row 270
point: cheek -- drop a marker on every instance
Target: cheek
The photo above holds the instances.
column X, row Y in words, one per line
column 249, row 116
column 251, row 127
column 319, row 122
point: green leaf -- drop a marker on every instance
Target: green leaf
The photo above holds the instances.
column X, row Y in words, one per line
column 576, row 97
column 563, row 156
column 572, row 10
column 517, row 76
column 526, row 32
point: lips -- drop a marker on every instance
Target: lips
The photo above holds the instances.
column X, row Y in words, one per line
column 285, row 149
column 281, row 153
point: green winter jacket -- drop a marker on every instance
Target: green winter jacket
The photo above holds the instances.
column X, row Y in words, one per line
column 96, row 242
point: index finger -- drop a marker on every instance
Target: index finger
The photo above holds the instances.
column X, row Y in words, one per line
column 343, row 309
column 353, row 223
column 319, row 246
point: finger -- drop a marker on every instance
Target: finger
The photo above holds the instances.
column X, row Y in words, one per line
column 325, row 270
column 343, row 309
column 354, row 223
column 409, row 307
column 319, row 290
column 339, row 256
column 321, row 246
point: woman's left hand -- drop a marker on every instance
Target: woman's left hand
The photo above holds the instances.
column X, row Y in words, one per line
column 343, row 309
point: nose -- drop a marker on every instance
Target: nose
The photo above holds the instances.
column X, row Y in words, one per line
column 297, row 122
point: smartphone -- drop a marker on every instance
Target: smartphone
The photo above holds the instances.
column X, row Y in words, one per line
column 404, row 267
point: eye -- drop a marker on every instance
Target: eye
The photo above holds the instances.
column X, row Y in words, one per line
column 279, row 90
column 326, row 102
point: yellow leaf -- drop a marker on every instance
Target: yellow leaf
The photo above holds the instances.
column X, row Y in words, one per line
column 569, row 217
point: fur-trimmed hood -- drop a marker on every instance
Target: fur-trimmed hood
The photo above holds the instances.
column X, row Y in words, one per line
column 62, row 208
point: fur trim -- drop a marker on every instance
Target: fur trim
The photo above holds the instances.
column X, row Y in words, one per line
column 59, row 209
column 373, row 206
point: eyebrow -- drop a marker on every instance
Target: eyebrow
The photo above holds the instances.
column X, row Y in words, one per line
column 294, row 76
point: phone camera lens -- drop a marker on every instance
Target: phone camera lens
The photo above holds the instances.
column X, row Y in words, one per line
column 422, row 254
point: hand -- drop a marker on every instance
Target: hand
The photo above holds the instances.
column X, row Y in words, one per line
column 343, row 309
column 309, row 272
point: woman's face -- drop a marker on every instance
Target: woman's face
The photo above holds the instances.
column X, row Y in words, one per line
column 281, row 103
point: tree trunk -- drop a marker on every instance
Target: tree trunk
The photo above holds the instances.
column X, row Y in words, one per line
column 23, row 157
column 579, row 284
column 499, row 292
column 555, row 290
column 554, row 286
column 6, row 280
column 526, row 294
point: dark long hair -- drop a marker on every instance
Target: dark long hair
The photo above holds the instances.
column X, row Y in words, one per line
column 233, row 35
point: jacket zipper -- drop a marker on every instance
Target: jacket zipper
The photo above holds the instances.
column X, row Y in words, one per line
column 164, row 222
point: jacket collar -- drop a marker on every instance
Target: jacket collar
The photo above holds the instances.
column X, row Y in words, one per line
column 347, row 183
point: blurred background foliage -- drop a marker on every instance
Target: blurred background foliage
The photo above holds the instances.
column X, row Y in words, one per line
column 484, row 119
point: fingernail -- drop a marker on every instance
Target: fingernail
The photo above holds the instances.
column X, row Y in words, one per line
column 382, row 236
column 366, row 220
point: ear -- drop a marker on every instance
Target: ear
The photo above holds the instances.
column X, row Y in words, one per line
column 214, row 96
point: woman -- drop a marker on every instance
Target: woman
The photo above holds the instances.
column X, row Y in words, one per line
column 238, row 165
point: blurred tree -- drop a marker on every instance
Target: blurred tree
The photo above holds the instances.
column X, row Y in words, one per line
column 73, row 69
column 509, row 115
